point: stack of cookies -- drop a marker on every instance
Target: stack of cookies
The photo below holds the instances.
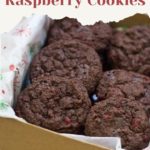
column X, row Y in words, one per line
column 92, row 80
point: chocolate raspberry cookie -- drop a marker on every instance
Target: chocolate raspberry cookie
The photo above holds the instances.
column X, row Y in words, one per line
column 121, row 83
column 54, row 103
column 69, row 59
column 61, row 29
column 120, row 117
column 97, row 36
column 130, row 50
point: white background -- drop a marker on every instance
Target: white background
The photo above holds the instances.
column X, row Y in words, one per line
column 86, row 14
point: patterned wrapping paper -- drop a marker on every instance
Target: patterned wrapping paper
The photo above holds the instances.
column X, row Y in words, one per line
column 17, row 49
column 6, row 94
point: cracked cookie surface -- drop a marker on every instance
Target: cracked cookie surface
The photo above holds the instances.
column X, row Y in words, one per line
column 121, row 83
column 96, row 36
column 62, row 28
column 69, row 59
column 54, row 103
column 120, row 117
column 130, row 50
column 132, row 88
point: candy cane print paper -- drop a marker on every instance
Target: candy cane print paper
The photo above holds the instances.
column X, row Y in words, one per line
column 20, row 45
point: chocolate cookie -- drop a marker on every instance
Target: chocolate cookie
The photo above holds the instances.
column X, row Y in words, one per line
column 103, row 35
column 69, row 59
column 54, row 103
column 131, row 50
column 120, row 117
column 121, row 83
column 61, row 29
column 97, row 36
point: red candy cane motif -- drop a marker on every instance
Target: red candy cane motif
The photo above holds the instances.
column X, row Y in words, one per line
column 24, row 61
column 23, row 31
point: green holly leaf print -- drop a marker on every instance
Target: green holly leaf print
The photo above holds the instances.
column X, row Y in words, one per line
column 3, row 106
column 1, row 77
column 31, row 51
column 34, row 49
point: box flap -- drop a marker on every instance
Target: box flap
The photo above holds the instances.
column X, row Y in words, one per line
column 15, row 135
